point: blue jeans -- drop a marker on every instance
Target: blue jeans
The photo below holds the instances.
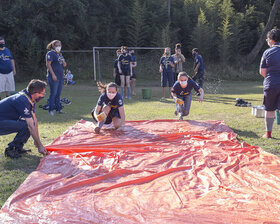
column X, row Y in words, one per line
column 185, row 108
column 20, row 127
column 167, row 75
column 55, row 92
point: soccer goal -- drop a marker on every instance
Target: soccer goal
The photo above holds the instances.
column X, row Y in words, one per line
column 147, row 62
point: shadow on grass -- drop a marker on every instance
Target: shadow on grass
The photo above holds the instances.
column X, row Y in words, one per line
column 246, row 134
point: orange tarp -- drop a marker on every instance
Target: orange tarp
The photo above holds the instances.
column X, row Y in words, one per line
column 160, row 171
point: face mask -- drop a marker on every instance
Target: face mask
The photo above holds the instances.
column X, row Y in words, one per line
column 39, row 99
column 183, row 83
column 111, row 95
column 193, row 54
column 57, row 49
column 2, row 45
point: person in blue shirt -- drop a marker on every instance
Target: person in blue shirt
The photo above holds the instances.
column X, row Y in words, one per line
column 181, row 92
column 109, row 107
column 166, row 65
column 198, row 67
column 55, row 63
column 125, row 70
column 116, row 73
column 133, row 77
column 7, row 69
column 17, row 115
column 270, row 70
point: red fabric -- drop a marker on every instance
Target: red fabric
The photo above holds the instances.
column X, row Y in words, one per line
column 160, row 171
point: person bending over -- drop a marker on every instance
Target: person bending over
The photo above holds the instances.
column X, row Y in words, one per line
column 181, row 92
column 109, row 107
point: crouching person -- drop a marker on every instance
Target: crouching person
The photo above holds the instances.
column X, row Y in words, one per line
column 17, row 115
column 181, row 92
column 109, row 107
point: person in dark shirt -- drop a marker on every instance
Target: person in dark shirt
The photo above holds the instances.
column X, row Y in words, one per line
column 116, row 73
column 270, row 70
column 181, row 92
column 198, row 67
column 133, row 77
column 166, row 65
column 109, row 107
column 55, row 63
column 17, row 115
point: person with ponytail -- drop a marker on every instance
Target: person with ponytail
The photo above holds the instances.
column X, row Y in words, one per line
column 55, row 63
column 166, row 69
column 109, row 107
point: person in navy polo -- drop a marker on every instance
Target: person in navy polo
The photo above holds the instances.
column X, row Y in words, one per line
column 55, row 63
column 166, row 65
column 125, row 70
column 198, row 67
column 270, row 70
column 182, row 94
column 7, row 69
column 17, row 115
column 116, row 73
column 109, row 108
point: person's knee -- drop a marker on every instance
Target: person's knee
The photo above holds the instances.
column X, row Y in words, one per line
column 269, row 114
column 117, row 122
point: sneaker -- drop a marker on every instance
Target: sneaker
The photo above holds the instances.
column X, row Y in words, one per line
column 65, row 101
column 51, row 113
column 21, row 150
column 267, row 136
column 181, row 117
column 97, row 130
column 60, row 112
column 12, row 152
column 176, row 112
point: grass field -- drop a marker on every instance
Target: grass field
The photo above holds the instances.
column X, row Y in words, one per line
column 218, row 104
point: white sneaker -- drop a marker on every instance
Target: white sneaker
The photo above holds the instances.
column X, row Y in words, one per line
column 51, row 113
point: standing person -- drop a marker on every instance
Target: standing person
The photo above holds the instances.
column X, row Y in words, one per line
column 17, row 115
column 165, row 68
column 116, row 73
column 7, row 69
column 181, row 92
column 198, row 67
column 270, row 70
column 179, row 59
column 55, row 63
column 133, row 77
column 125, row 70
column 109, row 107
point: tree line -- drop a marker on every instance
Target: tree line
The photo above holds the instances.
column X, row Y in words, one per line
column 224, row 30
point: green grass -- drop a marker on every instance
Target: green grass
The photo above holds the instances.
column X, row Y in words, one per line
column 218, row 105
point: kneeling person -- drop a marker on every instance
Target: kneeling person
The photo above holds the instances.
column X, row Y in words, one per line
column 17, row 115
column 181, row 92
column 109, row 107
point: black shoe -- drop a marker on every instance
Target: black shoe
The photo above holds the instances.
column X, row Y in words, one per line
column 21, row 151
column 12, row 152
column 60, row 112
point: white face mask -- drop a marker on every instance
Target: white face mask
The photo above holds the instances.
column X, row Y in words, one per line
column 58, row 49
column 111, row 95
column 183, row 83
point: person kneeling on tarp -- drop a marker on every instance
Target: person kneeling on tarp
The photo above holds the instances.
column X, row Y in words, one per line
column 17, row 115
column 181, row 92
column 109, row 107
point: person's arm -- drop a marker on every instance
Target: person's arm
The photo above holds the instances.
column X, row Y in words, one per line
column 134, row 64
column 119, row 66
column 122, row 114
column 173, row 94
column 97, row 111
column 183, row 58
column 33, row 128
column 14, row 66
column 49, row 67
column 114, row 72
column 263, row 72
column 130, row 65
column 200, row 99
column 196, row 68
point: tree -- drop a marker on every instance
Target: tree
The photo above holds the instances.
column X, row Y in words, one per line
column 252, row 55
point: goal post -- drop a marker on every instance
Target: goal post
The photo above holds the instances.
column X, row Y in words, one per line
column 96, row 60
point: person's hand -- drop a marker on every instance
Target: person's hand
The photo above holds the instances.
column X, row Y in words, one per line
column 114, row 75
column 14, row 71
column 54, row 78
column 120, row 71
column 160, row 70
column 36, row 144
column 43, row 150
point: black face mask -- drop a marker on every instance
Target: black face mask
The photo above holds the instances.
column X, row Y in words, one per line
column 2, row 45
column 39, row 99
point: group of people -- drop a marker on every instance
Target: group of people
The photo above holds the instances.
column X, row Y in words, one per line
column 124, row 71
column 17, row 114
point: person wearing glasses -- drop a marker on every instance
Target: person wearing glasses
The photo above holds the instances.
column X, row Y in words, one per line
column 17, row 115
column 270, row 70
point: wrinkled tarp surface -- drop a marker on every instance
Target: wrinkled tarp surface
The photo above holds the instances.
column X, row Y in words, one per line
column 160, row 171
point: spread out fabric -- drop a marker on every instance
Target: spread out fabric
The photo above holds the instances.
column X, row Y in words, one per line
column 159, row 171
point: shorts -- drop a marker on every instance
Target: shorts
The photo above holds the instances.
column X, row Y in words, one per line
column 271, row 98
column 125, row 72
column 7, row 82
column 167, row 75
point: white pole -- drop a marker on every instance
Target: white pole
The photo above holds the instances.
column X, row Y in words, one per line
column 94, row 66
